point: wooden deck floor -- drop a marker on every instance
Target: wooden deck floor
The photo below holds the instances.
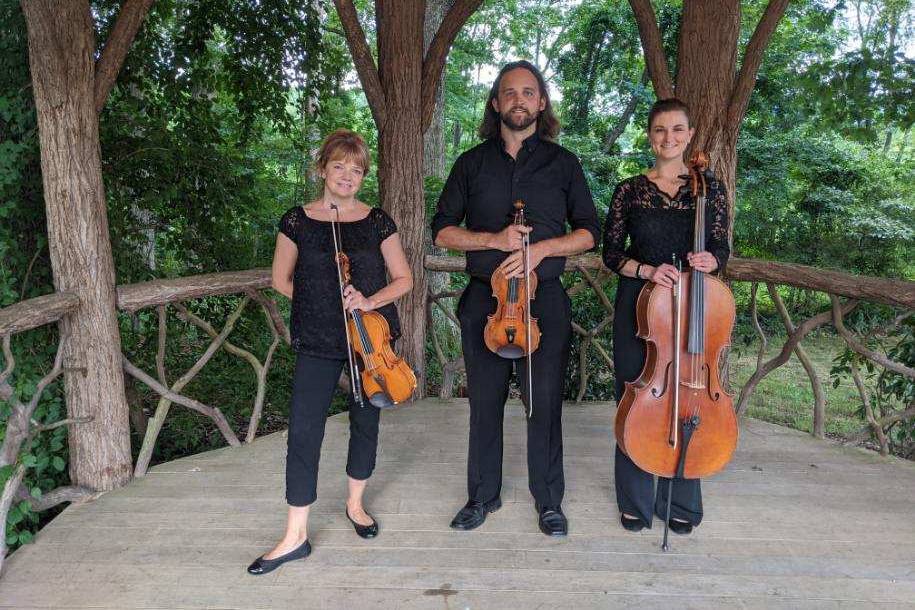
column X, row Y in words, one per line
column 793, row 522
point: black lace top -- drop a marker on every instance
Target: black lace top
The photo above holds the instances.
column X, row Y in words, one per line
column 658, row 227
column 316, row 318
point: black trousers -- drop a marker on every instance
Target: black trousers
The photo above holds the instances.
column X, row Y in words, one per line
column 635, row 492
column 312, row 389
column 488, row 377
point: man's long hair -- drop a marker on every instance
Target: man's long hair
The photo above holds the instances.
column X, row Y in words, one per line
column 547, row 123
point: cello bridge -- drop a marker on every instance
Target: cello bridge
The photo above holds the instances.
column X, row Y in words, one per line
column 698, row 385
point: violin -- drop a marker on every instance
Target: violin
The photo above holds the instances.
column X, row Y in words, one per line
column 375, row 369
column 676, row 419
column 511, row 331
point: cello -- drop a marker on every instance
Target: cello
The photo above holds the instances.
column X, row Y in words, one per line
column 384, row 377
column 676, row 419
column 511, row 332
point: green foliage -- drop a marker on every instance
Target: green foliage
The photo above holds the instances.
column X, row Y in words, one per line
column 799, row 188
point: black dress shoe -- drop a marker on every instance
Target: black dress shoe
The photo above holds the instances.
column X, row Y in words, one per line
column 633, row 524
column 552, row 521
column 474, row 514
column 363, row 531
column 680, row 527
column 262, row 566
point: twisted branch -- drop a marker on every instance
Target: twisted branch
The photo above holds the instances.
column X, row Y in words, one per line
column 819, row 396
column 156, row 422
column 852, row 342
column 793, row 339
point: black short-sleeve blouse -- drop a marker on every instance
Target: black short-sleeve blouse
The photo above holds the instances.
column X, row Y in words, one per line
column 316, row 318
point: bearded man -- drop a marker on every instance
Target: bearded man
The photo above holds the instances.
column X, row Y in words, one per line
column 518, row 160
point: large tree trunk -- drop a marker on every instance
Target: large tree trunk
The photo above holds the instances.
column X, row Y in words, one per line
column 706, row 67
column 61, row 58
column 400, row 170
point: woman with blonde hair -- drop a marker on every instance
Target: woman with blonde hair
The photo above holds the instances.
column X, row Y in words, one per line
column 305, row 270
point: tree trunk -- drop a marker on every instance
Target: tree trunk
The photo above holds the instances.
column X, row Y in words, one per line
column 434, row 138
column 705, row 81
column 400, row 170
column 61, row 58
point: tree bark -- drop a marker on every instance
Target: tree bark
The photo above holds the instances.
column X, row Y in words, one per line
column 706, row 67
column 128, row 23
column 434, row 138
column 400, row 170
column 652, row 48
column 61, row 52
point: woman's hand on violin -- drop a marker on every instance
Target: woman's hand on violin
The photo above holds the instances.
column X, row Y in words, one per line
column 702, row 261
column 513, row 266
column 663, row 275
column 509, row 238
column 353, row 299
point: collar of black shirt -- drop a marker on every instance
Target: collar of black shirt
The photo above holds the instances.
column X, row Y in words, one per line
column 530, row 143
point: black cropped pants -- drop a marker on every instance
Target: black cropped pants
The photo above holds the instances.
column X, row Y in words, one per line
column 488, row 377
column 312, row 389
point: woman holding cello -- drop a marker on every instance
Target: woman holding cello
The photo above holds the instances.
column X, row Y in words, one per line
column 656, row 213
column 317, row 245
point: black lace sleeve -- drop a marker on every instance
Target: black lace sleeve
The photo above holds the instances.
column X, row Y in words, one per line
column 384, row 224
column 717, row 227
column 289, row 224
column 615, row 229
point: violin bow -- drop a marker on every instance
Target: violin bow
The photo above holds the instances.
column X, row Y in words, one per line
column 525, row 246
column 355, row 382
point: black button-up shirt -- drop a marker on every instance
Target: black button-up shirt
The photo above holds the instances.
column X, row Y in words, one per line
column 485, row 182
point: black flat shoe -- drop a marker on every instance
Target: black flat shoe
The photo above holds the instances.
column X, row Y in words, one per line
column 364, row 531
column 262, row 566
column 680, row 527
column 633, row 524
column 474, row 514
column 552, row 521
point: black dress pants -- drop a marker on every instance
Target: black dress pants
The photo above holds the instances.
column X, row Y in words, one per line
column 488, row 378
column 635, row 493
column 312, row 389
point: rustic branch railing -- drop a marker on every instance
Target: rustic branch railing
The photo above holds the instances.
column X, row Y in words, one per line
column 836, row 284
column 21, row 427
column 175, row 292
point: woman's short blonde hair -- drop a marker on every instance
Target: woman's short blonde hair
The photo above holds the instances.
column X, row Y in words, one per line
column 344, row 144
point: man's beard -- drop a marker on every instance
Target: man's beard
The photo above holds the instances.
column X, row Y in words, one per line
column 517, row 122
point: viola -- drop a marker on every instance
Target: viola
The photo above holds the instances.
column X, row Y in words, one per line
column 676, row 419
column 385, row 377
column 375, row 369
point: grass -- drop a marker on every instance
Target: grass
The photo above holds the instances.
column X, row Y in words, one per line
column 785, row 396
